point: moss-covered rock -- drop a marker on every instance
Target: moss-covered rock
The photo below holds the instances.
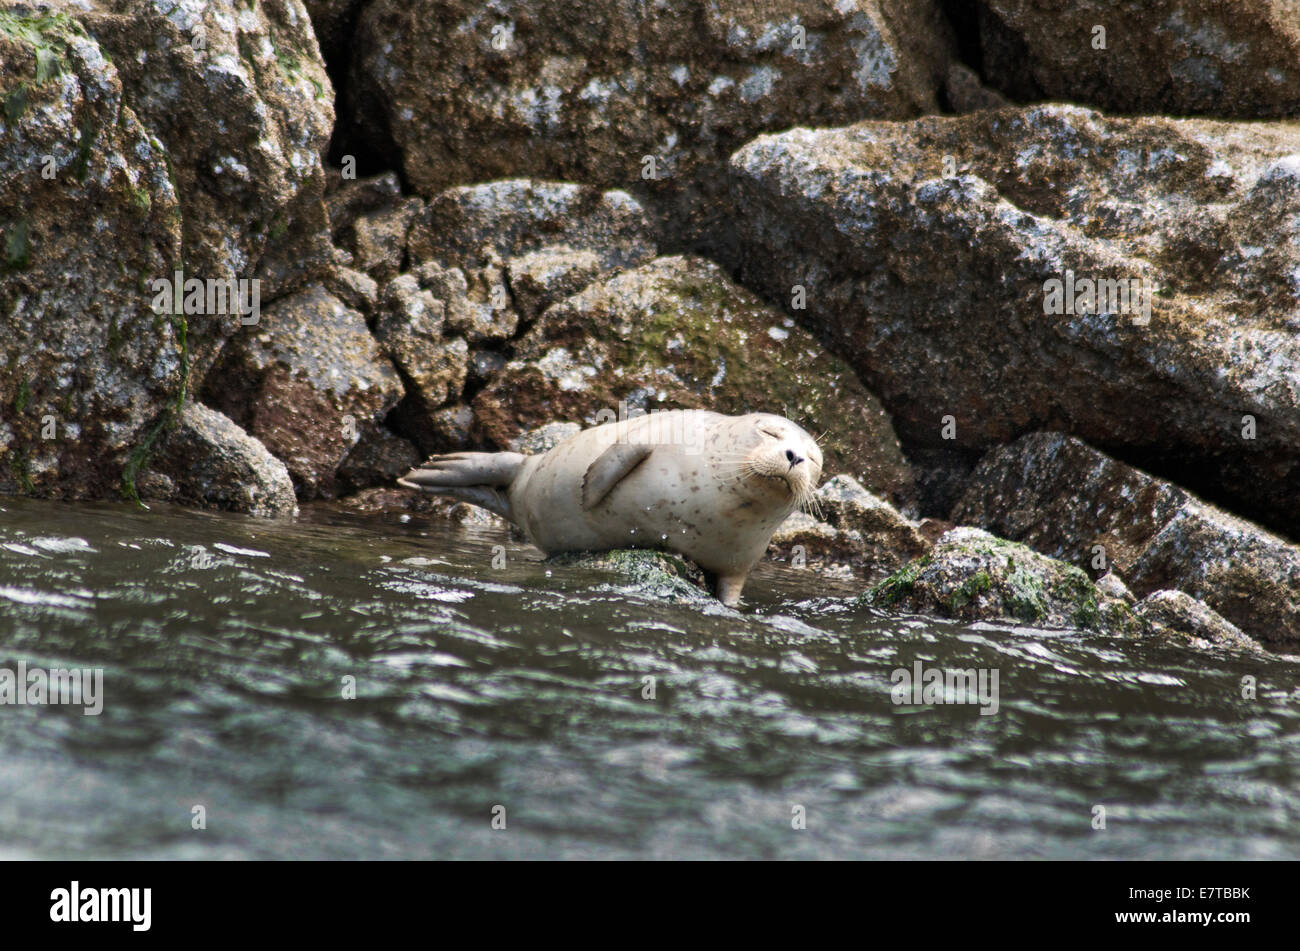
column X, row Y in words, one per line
column 972, row 575
column 664, row 576
column 1068, row 500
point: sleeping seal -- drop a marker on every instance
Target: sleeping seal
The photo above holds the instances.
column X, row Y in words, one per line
column 711, row 487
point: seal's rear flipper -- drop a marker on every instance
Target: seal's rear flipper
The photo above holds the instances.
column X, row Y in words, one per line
column 475, row 477
column 610, row 467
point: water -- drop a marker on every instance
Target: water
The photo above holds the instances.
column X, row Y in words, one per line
column 225, row 643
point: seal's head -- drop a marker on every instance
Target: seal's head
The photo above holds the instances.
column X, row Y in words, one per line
column 780, row 457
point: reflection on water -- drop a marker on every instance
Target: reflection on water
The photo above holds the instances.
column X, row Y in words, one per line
column 228, row 643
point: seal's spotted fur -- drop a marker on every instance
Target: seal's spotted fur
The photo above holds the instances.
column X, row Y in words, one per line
column 712, row 487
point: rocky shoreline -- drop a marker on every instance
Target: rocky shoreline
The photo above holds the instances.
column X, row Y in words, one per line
column 272, row 253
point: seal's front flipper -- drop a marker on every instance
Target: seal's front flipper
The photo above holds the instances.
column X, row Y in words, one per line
column 610, row 468
column 729, row 588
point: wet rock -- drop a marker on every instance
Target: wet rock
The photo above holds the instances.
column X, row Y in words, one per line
column 972, row 575
column 1066, row 499
column 856, row 529
column 1175, row 617
column 660, row 576
column 307, row 381
column 1166, row 56
column 378, row 458
column 677, row 333
column 927, row 248
column 207, row 460
column 586, row 92
column 401, row 504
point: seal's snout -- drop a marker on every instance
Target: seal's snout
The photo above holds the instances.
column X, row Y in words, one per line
column 793, row 458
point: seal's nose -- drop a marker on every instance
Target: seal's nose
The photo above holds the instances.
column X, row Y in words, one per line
column 793, row 458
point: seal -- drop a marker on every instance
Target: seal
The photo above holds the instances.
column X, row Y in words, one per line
column 711, row 487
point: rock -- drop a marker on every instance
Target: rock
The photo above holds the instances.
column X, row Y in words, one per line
column 480, row 313
column 238, row 97
column 209, row 461
column 475, row 226
column 539, row 279
column 677, row 333
column 656, row 575
column 120, row 122
column 1167, row 56
column 378, row 459
column 347, row 199
column 484, row 365
column 1070, row 501
column 857, row 529
column 86, row 368
column 410, row 328
column 400, row 504
column 307, row 382
column 1113, row 586
column 972, row 575
column 1179, row 619
column 544, row 438
column 379, row 239
column 354, row 288
column 965, row 92
column 587, row 92
column 934, row 286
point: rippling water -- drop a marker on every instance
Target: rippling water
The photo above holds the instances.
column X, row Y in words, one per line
column 226, row 643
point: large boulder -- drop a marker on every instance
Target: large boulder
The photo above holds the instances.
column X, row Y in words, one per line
column 308, row 382
column 85, row 366
column 1067, row 500
column 1178, row 57
column 678, row 334
column 203, row 458
column 937, row 253
column 140, row 139
column 587, row 91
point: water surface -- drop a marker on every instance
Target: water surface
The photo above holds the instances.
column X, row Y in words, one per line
column 227, row 642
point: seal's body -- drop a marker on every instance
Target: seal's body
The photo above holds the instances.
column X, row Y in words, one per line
column 711, row 487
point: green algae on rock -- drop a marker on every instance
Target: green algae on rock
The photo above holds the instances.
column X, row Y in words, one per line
column 972, row 575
